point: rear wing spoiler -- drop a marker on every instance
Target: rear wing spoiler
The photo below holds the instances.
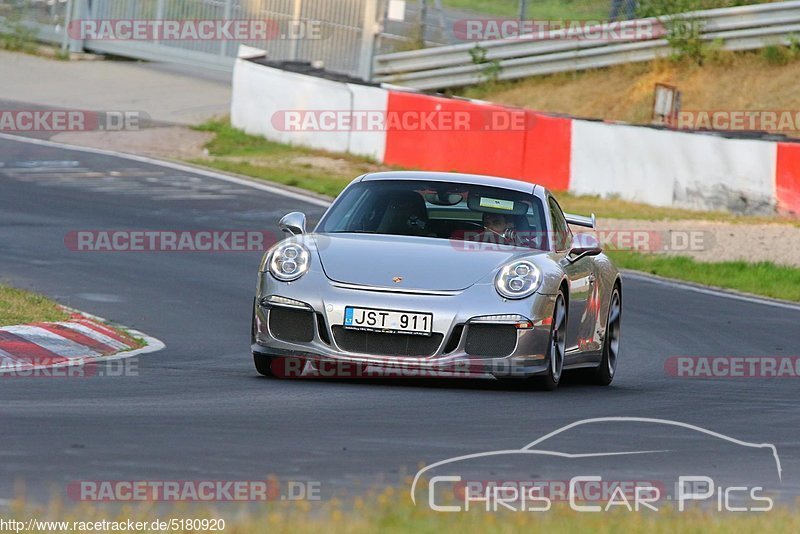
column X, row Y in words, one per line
column 580, row 220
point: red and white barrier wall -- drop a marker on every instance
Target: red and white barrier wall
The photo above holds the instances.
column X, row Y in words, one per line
column 658, row 167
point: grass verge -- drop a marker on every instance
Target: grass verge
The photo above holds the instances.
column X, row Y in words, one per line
column 541, row 9
column 765, row 279
column 234, row 151
column 18, row 306
column 309, row 180
column 575, row 10
column 615, row 208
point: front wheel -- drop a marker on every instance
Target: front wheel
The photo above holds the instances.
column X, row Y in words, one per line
column 604, row 374
column 279, row 366
column 557, row 346
column 263, row 364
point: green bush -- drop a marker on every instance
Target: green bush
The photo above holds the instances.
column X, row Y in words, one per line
column 776, row 55
column 16, row 36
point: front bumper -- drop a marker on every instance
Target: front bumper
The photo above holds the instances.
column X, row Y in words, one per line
column 452, row 314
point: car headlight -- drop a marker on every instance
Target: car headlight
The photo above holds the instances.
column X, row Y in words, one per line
column 289, row 262
column 518, row 280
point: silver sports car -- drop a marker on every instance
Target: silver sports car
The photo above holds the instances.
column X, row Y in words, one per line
column 440, row 273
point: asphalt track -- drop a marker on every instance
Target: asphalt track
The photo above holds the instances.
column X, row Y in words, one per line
column 197, row 409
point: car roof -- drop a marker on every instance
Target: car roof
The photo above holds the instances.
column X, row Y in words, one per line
column 455, row 177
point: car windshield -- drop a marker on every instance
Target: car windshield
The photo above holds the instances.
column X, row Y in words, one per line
column 442, row 210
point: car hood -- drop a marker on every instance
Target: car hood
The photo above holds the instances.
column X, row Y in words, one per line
column 422, row 263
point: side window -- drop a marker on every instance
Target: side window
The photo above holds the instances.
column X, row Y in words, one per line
column 562, row 235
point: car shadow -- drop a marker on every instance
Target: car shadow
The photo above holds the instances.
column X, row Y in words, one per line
column 571, row 380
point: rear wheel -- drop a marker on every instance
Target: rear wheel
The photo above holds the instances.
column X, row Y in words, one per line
column 604, row 374
column 557, row 346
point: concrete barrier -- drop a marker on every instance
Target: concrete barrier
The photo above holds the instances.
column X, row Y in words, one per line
column 271, row 102
column 668, row 168
column 264, row 99
column 371, row 144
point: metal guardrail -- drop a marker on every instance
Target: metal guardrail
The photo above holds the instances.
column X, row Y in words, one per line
column 736, row 28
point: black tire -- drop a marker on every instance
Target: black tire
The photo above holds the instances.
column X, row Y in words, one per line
column 253, row 324
column 263, row 364
column 557, row 345
column 605, row 372
column 279, row 366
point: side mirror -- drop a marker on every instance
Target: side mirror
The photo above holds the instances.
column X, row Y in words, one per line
column 293, row 223
column 584, row 245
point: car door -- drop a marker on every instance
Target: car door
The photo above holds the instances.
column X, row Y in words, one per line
column 580, row 274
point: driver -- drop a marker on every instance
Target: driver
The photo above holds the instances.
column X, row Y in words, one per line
column 497, row 223
column 497, row 229
column 502, row 229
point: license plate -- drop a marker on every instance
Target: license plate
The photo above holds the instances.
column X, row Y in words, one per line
column 394, row 322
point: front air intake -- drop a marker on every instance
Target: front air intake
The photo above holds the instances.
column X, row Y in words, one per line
column 493, row 340
column 288, row 324
column 380, row 344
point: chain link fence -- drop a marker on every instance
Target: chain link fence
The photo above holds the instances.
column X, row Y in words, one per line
column 338, row 34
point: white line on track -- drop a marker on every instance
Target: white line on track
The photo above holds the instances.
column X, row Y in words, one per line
column 170, row 165
column 325, row 203
column 697, row 288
